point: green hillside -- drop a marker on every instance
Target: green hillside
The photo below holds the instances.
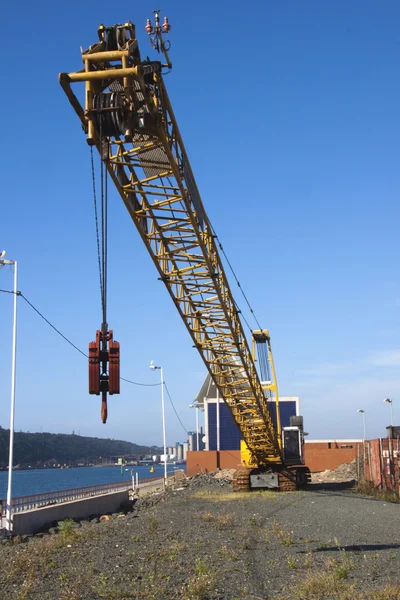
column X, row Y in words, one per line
column 36, row 448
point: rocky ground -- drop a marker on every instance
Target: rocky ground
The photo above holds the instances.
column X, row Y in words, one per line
column 345, row 472
column 203, row 542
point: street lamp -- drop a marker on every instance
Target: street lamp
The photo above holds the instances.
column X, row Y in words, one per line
column 4, row 262
column 360, row 410
column 389, row 401
column 154, row 367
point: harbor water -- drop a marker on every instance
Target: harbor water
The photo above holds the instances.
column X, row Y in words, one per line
column 27, row 482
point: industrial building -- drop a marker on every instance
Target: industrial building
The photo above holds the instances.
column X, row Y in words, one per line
column 221, row 432
column 222, row 438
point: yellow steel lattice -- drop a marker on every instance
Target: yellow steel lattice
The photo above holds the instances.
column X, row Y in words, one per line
column 152, row 174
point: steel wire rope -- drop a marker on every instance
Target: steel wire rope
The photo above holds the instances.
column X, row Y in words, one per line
column 173, row 406
column 103, row 224
column 69, row 341
column 234, row 274
column 96, row 221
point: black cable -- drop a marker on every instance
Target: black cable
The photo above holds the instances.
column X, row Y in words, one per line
column 69, row 341
column 102, row 219
column 173, row 406
column 106, row 238
column 234, row 274
column 96, row 220
column 136, row 383
column 48, row 322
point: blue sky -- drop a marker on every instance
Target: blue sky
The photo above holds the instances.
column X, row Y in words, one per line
column 289, row 112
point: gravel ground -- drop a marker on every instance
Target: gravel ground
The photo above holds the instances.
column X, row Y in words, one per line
column 205, row 543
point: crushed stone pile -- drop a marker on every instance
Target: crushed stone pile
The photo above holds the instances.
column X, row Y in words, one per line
column 209, row 479
column 344, row 472
column 226, row 474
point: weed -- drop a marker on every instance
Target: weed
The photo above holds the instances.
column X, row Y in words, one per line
column 67, row 530
column 344, row 565
column 199, row 586
column 175, row 550
column 136, row 538
column 322, row 584
column 227, row 552
column 206, row 516
column 291, row 562
column 228, row 496
column 388, row 592
column 253, row 522
column 153, row 524
column 286, row 539
column 222, row 521
column 47, row 566
column 368, row 490
column 201, row 567
column 308, row 561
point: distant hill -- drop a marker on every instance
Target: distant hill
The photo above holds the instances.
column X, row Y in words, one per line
column 37, row 448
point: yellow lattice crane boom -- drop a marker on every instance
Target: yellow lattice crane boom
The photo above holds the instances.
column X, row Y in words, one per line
column 128, row 117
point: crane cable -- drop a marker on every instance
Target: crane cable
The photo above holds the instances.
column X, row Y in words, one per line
column 236, row 279
column 68, row 340
column 96, row 221
column 104, row 225
column 102, row 253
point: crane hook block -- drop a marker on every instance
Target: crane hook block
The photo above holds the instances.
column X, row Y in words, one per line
column 104, row 361
column 94, row 365
column 113, row 368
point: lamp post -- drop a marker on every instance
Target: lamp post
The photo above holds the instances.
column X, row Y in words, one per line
column 390, row 401
column 362, row 411
column 4, row 262
column 154, row 367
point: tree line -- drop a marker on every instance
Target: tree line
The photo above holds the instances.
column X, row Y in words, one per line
column 36, row 448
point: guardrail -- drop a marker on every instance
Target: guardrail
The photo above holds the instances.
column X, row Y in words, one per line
column 23, row 503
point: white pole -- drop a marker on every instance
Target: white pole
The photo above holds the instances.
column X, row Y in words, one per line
column 197, row 428
column 133, row 481
column 163, row 420
column 137, row 481
column 13, row 379
column 218, row 423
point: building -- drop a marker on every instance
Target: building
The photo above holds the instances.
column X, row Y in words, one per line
column 221, row 432
column 179, row 451
column 185, row 450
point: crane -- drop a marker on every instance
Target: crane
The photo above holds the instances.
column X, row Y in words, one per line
column 127, row 115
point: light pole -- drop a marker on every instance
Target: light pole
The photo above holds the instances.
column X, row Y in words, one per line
column 362, row 411
column 390, row 401
column 154, row 367
column 4, row 262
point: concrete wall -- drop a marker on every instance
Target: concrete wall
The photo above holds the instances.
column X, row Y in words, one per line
column 30, row 521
